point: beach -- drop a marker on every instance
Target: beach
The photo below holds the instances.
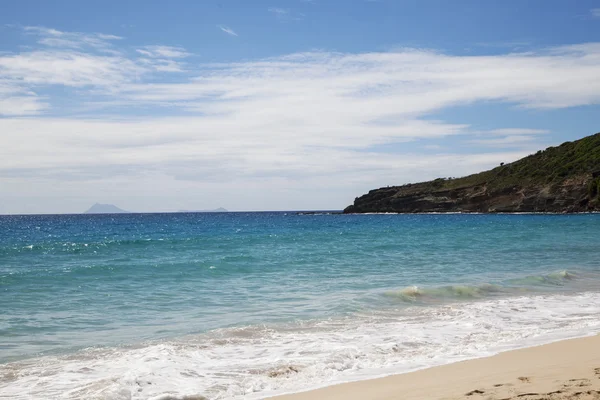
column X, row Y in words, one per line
column 568, row 369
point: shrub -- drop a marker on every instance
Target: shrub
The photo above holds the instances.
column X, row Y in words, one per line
column 594, row 187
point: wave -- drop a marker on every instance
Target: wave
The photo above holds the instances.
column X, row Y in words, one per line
column 558, row 278
column 511, row 286
column 414, row 293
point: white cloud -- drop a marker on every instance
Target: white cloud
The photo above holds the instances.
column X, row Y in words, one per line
column 163, row 58
column 16, row 100
column 517, row 131
column 67, row 68
column 21, row 105
column 24, row 74
column 76, row 60
column 509, row 137
column 285, row 14
column 227, row 30
column 55, row 38
column 163, row 52
column 282, row 125
column 389, row 85
column 279, row 11
column 189, row 156
column 162, row 65
column 503, row 142
column 595, row 12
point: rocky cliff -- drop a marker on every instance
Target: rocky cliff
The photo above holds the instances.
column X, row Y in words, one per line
column 559, row 179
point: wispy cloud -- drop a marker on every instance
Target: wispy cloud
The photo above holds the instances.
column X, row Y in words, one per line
column 406, row 82
column 285, row 14
column 163, row 58
column 76, row 40
column 227, row 30
column 21, row 105
column 517, row 131
column 508, row 137
column 74, row 60
column 503, row 142
column 64, row 68
column 279, row 11
column 163, row 52
column 595, row 12
column 515, row 45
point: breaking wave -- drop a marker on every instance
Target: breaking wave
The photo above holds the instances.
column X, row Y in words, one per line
column 509, row 287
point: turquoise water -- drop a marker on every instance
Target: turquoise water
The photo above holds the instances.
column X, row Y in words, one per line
column 242, row 305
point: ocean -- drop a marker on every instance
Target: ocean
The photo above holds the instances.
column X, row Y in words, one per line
column 251, row 305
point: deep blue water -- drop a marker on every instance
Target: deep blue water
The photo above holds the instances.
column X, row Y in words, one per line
column 73, row 282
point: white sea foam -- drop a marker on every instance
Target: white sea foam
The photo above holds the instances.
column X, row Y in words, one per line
column 260, row 361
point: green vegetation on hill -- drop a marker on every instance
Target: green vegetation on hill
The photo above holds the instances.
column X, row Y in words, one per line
column 564, row 178
column 550, row 166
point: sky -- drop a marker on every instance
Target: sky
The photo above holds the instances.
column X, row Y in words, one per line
column 256, row 105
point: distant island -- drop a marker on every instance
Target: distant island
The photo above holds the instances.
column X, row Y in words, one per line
column 105, row 209
column 559, row 179
column 216, row 210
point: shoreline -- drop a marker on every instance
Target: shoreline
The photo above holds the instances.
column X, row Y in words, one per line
column 476, row 213
column 564, row 369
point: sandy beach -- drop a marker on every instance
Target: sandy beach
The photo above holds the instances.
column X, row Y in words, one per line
column 568, row 369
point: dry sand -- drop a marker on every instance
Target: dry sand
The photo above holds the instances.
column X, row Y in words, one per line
column 563, row 370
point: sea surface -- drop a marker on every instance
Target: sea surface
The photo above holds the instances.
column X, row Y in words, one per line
column 250, row 305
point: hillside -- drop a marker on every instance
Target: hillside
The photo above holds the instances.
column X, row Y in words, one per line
column 105, row 209
column 565, row 178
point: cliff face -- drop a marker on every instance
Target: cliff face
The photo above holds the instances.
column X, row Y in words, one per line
column 559, row 179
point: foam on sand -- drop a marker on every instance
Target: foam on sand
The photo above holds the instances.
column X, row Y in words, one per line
column 258, row 361
column 566, row 370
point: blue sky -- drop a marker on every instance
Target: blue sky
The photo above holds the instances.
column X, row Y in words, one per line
column 278, row 105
